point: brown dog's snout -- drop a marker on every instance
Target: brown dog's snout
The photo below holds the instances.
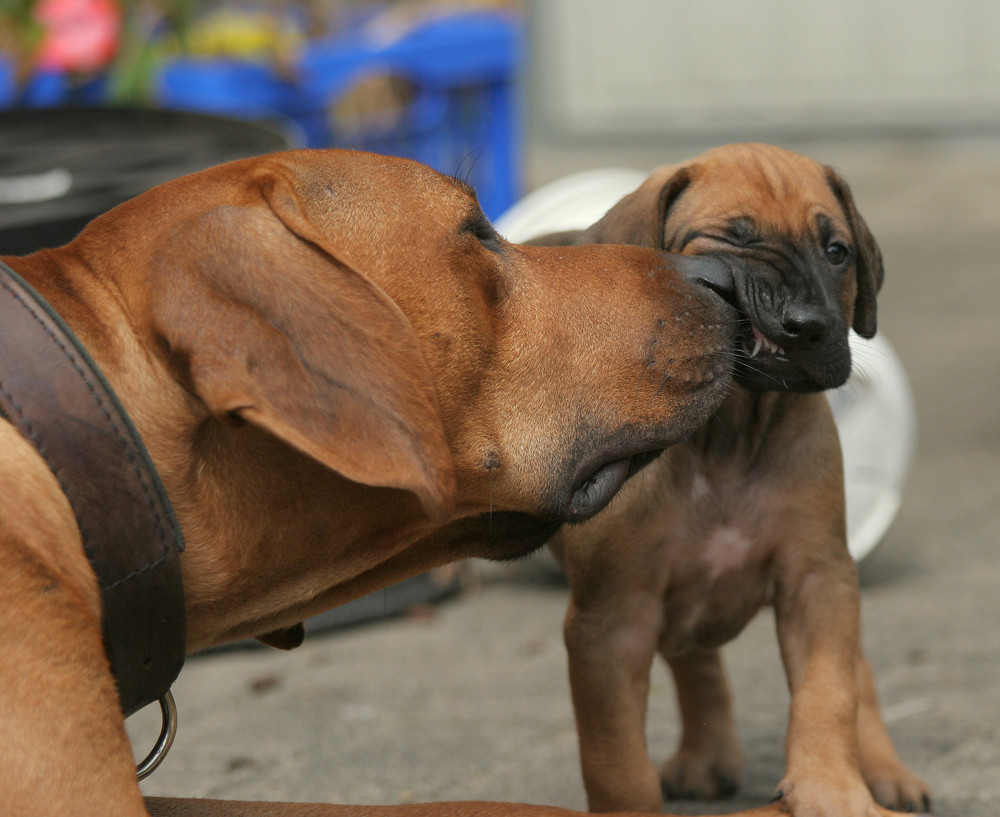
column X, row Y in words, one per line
column 712, row 271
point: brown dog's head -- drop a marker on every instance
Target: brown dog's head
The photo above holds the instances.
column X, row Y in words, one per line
column 813, row 268
column 363, row 310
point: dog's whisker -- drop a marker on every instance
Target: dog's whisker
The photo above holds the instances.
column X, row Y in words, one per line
column 693, row 310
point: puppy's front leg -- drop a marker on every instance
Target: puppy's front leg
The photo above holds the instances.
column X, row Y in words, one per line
column 892, row 784
column 611, row 651
column 817, row 609
column 708, row 763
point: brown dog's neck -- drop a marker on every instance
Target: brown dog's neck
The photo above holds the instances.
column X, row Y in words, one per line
column 254, row 512
column 84, row 300
column 258, row 516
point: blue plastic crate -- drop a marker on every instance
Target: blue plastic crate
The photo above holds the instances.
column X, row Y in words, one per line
column 8, row 82
column 462, row 116
column 49, row 89
column 232, row 87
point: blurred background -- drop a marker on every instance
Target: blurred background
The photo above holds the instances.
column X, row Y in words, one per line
column 455, row 687
column 508, row 93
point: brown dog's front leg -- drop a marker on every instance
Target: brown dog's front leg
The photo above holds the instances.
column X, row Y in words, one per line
column 818, row 613
column 63, row 746
column 169, row 807
column 609, row 667
column 708, row 763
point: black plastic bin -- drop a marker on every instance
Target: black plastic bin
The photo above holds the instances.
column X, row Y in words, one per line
column 60, row 167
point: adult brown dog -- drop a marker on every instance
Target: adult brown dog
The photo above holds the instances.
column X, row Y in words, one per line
column 748, row 512
column 344, row 377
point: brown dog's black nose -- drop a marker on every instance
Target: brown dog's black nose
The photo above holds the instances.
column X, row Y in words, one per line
column 712, row 271
column 802, row 327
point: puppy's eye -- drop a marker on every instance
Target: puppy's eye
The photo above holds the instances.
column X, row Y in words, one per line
column 837, row 253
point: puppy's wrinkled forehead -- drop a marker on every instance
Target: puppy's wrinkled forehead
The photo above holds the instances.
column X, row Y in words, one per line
column 760, row 190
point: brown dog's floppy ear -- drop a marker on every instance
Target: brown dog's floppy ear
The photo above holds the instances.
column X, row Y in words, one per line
column 278, row 332
column 868, row 264
column 639, row 217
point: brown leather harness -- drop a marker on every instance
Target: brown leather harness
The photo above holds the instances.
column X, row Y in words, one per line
column 54, row 394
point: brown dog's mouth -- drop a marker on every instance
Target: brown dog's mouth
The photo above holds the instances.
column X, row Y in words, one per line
column 600, row 486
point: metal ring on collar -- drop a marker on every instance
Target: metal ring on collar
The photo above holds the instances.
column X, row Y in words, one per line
column 168, row 730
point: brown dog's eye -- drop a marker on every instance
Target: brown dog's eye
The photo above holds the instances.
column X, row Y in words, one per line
column 836, row 253
column 484, row 233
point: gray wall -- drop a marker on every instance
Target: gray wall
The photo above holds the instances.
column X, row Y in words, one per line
column 614, row 67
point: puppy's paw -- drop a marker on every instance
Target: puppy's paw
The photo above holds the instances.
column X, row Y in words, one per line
column 836, row 796
column 899, row 789
column 702, row 775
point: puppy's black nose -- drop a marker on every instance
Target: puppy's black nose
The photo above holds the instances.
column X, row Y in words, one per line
column 802, row 327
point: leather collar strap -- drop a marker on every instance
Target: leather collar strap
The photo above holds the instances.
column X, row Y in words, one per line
column 54, row 394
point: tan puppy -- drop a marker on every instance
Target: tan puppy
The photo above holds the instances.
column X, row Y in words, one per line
column 339, row 370
column 749, row 512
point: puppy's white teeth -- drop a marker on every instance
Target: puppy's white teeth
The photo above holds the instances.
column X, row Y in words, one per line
column 761, row 342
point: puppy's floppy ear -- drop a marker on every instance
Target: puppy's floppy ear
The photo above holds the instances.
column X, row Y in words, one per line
column 279, row 332
column 640, row 217
column 868, row 263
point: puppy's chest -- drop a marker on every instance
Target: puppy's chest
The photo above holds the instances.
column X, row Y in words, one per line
column 716, row 551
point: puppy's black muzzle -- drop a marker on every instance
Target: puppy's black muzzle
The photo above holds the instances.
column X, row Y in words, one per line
column 793, row 334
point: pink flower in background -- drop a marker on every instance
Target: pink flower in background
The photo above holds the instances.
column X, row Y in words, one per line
column 79, row 35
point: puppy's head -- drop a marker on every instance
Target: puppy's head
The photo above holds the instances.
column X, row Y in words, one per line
column 812, row 266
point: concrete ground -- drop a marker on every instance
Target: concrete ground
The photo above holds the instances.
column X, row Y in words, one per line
column 469, row 699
